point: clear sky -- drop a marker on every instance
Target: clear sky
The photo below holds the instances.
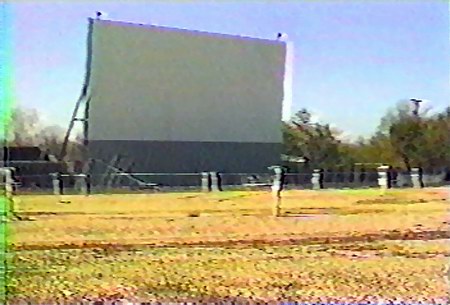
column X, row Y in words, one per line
column 353, row 59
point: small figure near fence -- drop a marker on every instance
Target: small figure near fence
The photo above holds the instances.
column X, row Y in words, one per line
column 277, row 187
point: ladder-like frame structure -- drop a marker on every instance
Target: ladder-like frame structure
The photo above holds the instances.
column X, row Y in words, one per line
column 76, row 118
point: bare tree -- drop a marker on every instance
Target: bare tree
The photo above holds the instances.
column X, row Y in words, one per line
column 27, row 129
column 24, row 127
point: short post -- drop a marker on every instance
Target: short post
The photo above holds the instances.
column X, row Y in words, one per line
column 206, row 182
column 384, row 177
column 82, row 183
column 216, row 182
column 57, row 184
column 277, row 187
column 88, row 184
column 416, row 177
column 219, row 181
column 394, row 177
column 362, row 173
column 367, row 175
column 317, row 179
column 7, row 173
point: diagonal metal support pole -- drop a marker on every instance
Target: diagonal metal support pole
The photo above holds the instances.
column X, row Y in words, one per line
column 69, row 130
column 85, row 97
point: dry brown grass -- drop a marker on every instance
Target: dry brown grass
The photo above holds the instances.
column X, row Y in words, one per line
column 161, row 218
column 331, row 243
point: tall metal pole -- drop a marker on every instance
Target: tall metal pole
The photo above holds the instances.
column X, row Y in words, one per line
column 69, row 130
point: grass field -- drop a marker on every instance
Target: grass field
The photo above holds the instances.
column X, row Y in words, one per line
column 328, row 245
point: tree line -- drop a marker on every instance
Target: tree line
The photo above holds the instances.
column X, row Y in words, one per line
column 403, row 139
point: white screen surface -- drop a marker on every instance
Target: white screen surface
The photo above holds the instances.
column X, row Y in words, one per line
column 159, row 84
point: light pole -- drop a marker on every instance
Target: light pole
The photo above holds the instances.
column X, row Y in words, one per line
column 415, row 112
column 416, row 103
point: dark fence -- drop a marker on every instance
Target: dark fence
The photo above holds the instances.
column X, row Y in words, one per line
column 171, row 182
column 35, row 174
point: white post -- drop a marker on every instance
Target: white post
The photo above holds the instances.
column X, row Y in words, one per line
column 317, row 179
column 277, row 187
column 384, row 177
column 214, row 186
column 7, row 172
column 56, row 180
column 416, row 177
column 276, row 208
column 82, row 180
column 206, row 182
column 215, row 181
column 9, row 204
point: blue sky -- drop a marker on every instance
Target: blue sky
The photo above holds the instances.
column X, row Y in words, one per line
column 353, row 59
